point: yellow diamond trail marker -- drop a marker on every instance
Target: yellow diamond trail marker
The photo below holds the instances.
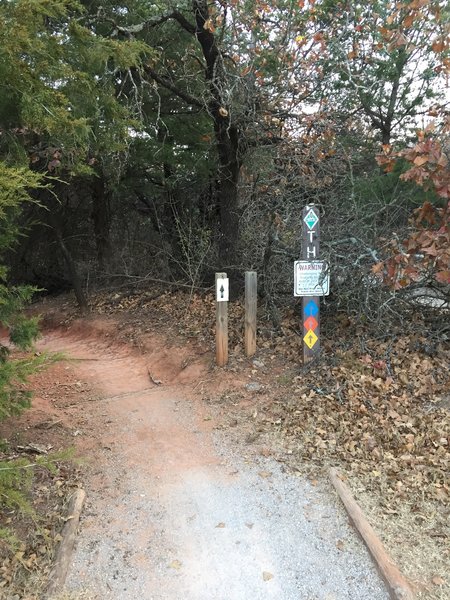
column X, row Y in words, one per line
column 310, row 338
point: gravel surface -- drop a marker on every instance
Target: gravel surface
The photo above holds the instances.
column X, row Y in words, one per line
column 175, row 513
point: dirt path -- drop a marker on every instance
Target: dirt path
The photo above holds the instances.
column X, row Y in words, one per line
column 174, row 513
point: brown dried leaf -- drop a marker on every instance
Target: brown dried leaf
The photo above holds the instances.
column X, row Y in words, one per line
column 265, row 474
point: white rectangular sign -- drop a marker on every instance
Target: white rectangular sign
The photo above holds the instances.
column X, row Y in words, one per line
column 311, row 278
column 222, row 290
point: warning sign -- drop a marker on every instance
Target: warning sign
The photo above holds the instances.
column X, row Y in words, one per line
column 311, row 278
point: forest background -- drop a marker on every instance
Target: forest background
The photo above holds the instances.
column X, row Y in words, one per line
column 168, row 140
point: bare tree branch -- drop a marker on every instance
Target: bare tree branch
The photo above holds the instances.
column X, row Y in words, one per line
column 138, row 27
column 173, row 88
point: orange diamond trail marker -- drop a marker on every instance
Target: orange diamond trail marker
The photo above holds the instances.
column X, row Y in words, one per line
column 311, row 323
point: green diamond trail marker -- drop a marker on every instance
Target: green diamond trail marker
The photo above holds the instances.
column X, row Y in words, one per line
column 311, row 219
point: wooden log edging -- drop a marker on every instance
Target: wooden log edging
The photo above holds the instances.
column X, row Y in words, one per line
column 398, row 586
column 60, row 568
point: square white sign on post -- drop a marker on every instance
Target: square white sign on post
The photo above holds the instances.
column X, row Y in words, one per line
column 311, row 278
column 222, row 290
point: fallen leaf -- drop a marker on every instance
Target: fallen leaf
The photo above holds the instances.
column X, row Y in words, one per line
column 420, row 160
column 209, row 26
column 176, row 564
column 264, row 474
column 438, row 580
column 265, row 452
column 267, row 576
column 340, row 545
column 220, row 525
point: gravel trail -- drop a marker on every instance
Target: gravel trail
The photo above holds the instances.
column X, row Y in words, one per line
column 175, row 513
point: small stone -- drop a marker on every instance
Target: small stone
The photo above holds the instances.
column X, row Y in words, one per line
column 254, row 386
column 258, row 364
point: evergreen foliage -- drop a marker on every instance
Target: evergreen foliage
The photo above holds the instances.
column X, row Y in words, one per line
column 15, row 186
column 15, row 475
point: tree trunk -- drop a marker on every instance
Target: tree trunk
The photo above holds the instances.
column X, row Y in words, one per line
column 227, row 195
column 386, row 134
column 227, row 139
column 73, row 273
column 101, row 216
column 228, row 136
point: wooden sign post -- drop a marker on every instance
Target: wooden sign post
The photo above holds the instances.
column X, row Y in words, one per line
column 310, row 304
column 222, row 294
column 251, row 283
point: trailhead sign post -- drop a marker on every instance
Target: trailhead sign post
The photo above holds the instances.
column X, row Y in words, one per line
column 311, row 280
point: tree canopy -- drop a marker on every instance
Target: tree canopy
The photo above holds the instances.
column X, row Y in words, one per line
column 197, row 129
